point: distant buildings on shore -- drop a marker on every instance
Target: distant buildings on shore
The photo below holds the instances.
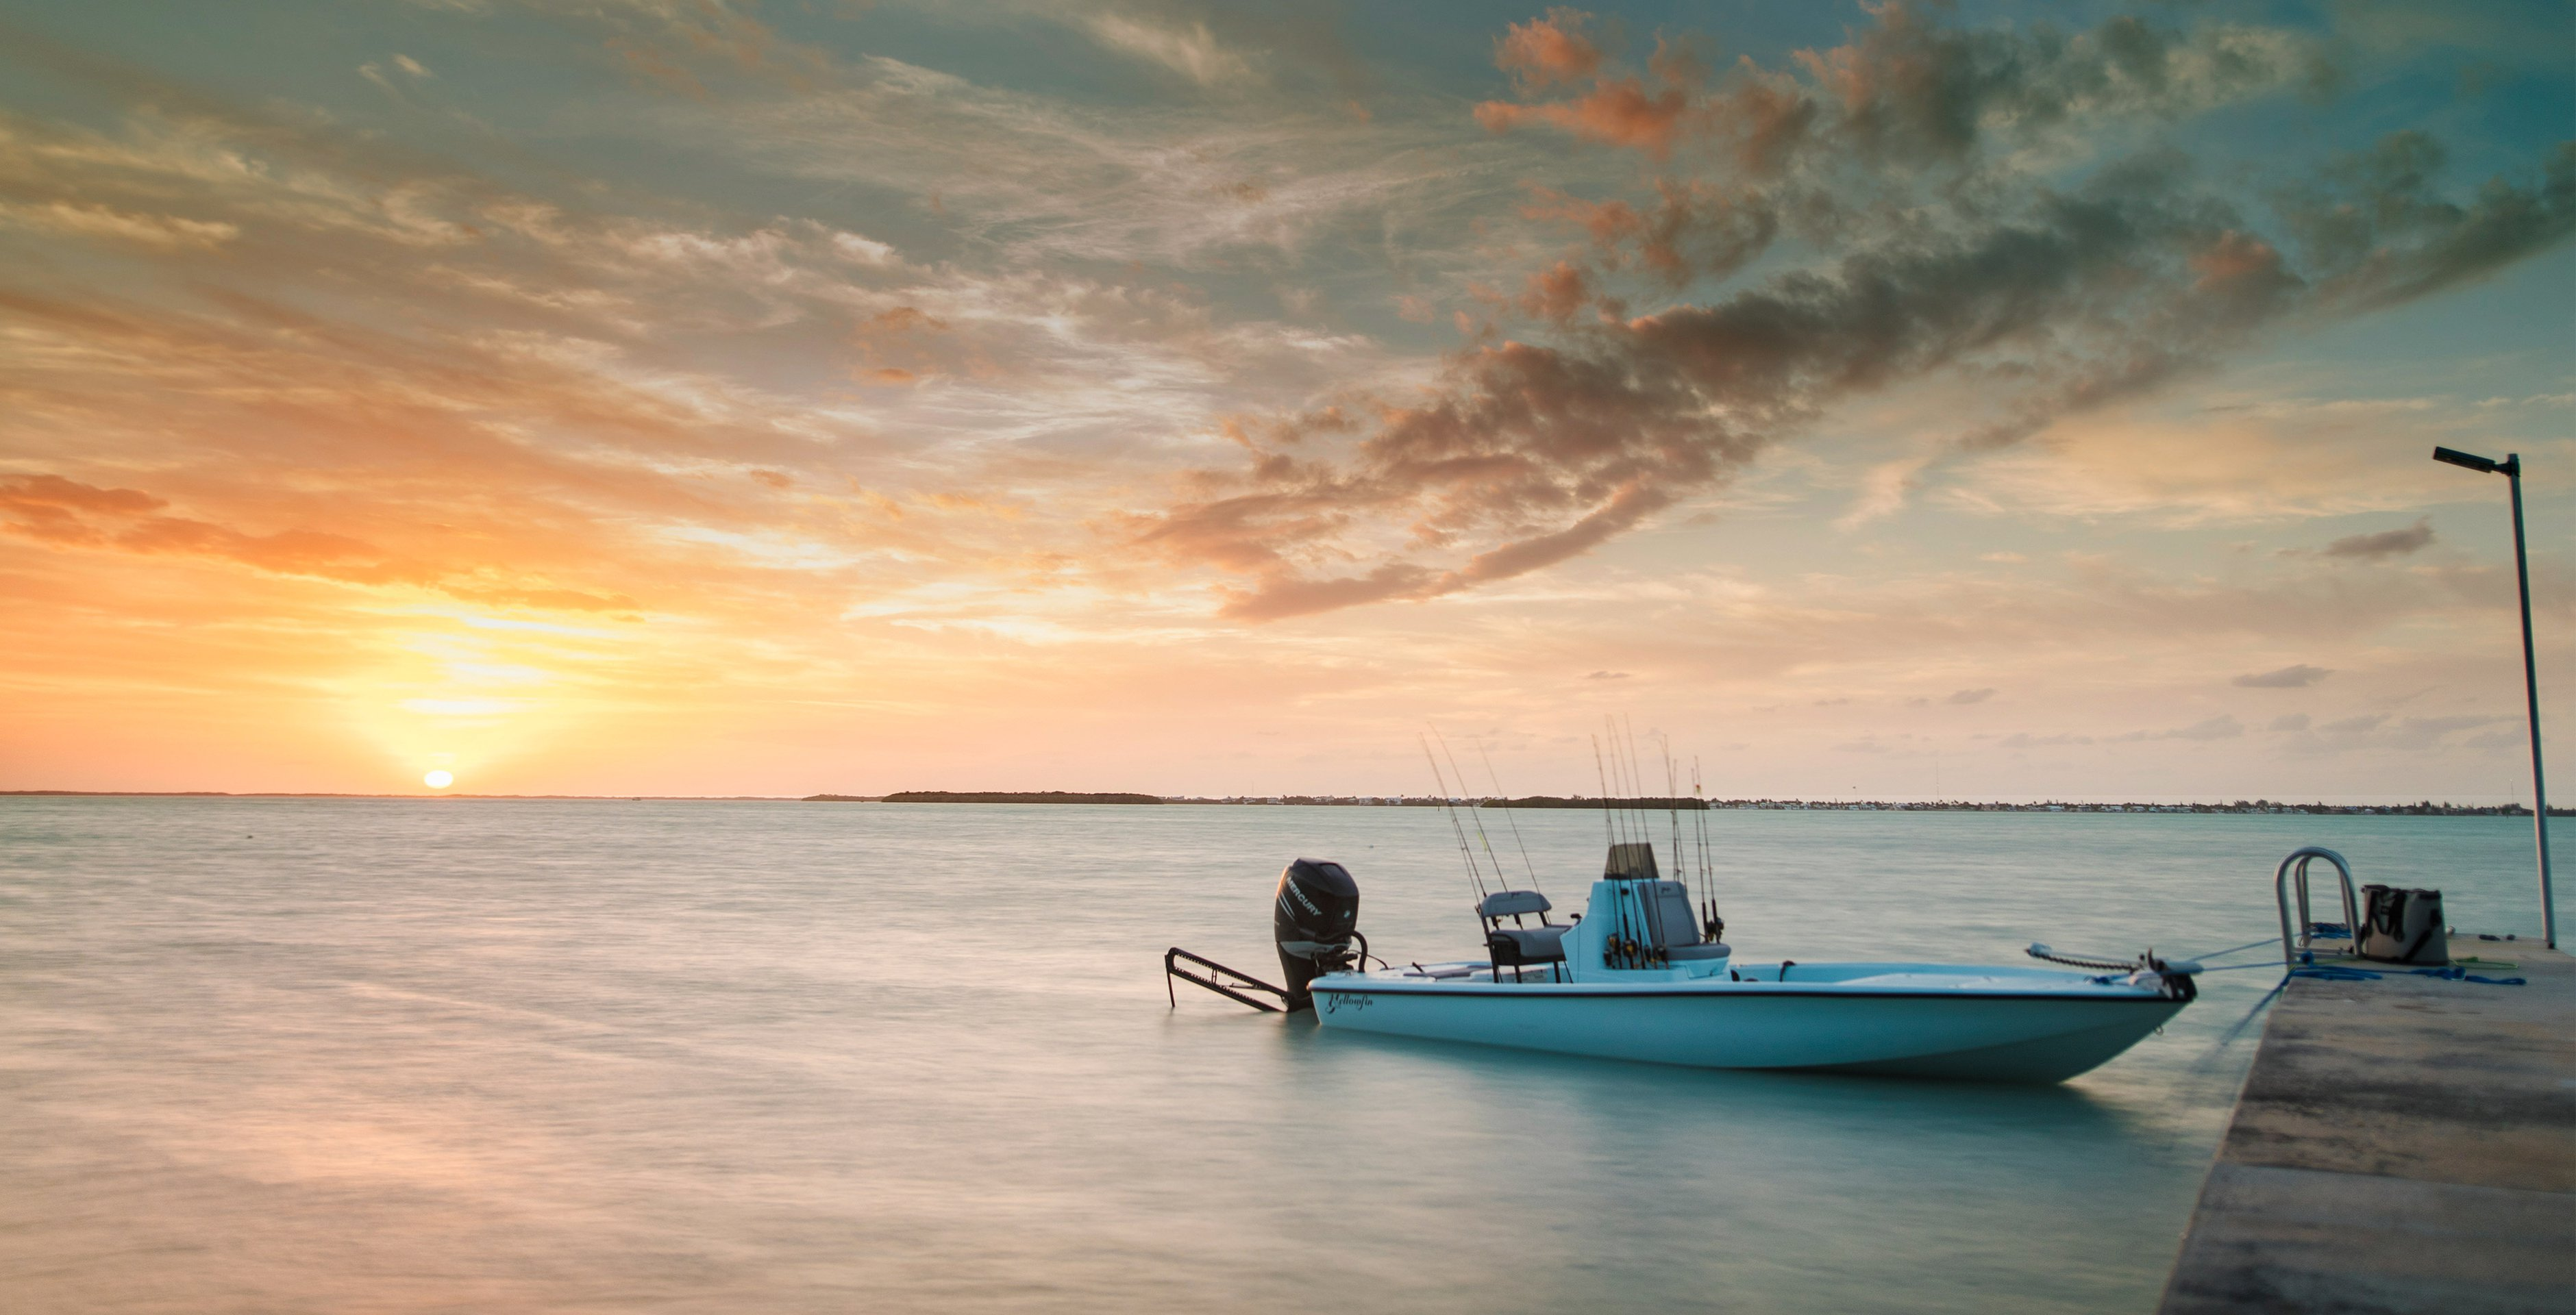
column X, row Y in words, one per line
column 2426, row 808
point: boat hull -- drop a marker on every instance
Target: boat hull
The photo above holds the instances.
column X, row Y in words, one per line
column 2023, row 1035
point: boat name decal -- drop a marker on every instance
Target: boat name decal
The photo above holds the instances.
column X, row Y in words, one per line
column 1338, row 1001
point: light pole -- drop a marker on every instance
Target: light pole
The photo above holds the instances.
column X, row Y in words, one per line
column 2511, row 469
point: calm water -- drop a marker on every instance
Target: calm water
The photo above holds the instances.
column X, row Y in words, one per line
column 342, row 1055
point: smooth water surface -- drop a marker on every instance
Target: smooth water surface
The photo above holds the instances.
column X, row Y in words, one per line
column 349, row 1055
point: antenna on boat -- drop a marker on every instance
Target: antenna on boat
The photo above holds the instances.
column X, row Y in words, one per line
column 1499, row 793
column 1474, row 813
column 1474, row 877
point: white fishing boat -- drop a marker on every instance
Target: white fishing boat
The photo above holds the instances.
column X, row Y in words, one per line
column 1641, row 975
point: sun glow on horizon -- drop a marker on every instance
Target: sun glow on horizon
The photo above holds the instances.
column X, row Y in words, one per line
column 1012, row 459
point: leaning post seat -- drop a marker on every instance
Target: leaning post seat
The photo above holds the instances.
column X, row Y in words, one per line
column 1513, row 904
column 1523, row 947
column 1675, row 926
column 1519, row 946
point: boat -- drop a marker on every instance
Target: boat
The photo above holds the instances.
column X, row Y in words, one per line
column 1642, row 975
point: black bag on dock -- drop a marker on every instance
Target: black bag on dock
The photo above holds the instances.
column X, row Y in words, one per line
column 2401, row 926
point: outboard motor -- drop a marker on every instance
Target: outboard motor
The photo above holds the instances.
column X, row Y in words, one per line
column 1317, row 908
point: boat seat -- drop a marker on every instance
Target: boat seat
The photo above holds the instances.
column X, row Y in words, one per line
column 1703, row 950
column 1515, row 947
column 1512, row 903
column 1674, row 921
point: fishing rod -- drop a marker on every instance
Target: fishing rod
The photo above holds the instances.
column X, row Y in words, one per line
column 1474, row 877
column 1492, row 776
column 1650, row 907
column 1473, row 812
column 1633, row 914
column 1624, row 750
column 1620, row 940
column 1601, row 773
column 1624, row 779
column 1711, row 925
column 1672, row 800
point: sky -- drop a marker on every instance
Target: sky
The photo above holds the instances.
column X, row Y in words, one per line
column 1987, row 401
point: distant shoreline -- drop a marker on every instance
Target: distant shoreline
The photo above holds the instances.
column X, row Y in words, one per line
column 2425, row 808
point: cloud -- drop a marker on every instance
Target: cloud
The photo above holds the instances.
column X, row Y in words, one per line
column 2224, row 726
column 1970, row 696
column 65, row 513
column 1191, row 50
column 2048, row 298
column 2384, row 544
column 167, row 232
column 2378, row 234
column 1607, row 675
column 2020, row 740
column 2379, row 732
column 1906, row 91
column 2291, row 677
column 1620, row 113
column 1545, row 51
column 2289, row 721
column 2221, row 727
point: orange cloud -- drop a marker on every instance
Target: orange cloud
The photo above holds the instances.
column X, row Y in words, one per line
column 1620, row 113
column 1549, row 50
column 1556, row 293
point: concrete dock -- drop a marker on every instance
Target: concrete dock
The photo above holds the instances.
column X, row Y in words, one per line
column 2405, row 1144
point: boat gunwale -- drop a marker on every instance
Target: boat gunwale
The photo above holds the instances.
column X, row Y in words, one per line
column 1613, row 990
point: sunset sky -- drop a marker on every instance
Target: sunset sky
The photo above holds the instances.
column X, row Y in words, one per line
column 707, row 397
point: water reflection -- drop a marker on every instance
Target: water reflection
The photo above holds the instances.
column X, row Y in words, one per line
column 778, row 1058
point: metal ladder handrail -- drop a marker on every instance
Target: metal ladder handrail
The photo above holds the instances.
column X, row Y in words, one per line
column 2293, row 945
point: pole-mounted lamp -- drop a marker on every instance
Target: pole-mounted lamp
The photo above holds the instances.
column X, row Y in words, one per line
column 2511, row 469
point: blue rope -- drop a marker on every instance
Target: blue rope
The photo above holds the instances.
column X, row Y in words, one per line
column 2459, row 974
column 2338, row 973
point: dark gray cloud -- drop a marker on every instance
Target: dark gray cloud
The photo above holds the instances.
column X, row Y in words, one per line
column 2386, row 543
column 2052, row 298
column 2299, row 676
column 1970, row 696
column 2376, row 230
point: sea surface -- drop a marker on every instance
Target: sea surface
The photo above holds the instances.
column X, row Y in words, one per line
column 447, row 1055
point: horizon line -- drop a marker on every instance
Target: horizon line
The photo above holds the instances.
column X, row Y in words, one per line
column 1898, row 803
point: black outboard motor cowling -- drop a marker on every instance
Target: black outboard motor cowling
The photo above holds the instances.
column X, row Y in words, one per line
column 1318, row 905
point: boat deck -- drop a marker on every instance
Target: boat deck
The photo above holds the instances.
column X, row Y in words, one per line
column 2401, row 1144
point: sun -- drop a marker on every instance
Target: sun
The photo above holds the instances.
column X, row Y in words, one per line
column 438, row 780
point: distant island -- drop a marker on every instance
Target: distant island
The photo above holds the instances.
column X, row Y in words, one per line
column 1658, row 805
column 1011, row 797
